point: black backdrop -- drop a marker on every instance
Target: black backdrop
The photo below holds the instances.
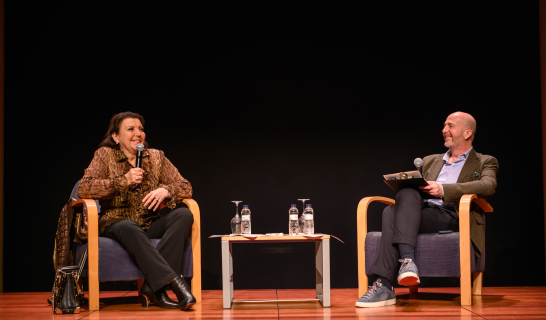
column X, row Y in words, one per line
column 268, row 105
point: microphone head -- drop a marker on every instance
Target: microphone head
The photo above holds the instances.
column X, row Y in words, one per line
column 418, row 162
column 140, row 147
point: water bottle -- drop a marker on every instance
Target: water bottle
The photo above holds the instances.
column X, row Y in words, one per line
column 293, row 224
column 308, row 224
column 245, row 220
column 236, row 224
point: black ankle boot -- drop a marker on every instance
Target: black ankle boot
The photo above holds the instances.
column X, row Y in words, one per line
column 160, row 297
column 183, row 293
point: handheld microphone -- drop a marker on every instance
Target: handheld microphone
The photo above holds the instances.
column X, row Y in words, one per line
column 418, row 162
column 140, row 149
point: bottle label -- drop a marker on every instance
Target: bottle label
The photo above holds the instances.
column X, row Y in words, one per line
column 294, row 216
column 245, row 217
column 309, row 216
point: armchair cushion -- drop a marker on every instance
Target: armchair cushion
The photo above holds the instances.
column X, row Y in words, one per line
column 436, row 255
column 116, row 265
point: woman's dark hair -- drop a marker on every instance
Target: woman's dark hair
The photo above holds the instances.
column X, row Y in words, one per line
column 115, row 122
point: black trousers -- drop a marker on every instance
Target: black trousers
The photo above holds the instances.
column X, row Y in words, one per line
column 162, row 264
column 402, row 222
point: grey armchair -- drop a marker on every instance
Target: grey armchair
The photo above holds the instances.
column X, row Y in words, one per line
column 115, row 263
column 436, row 255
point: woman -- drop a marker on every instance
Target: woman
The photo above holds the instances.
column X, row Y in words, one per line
column 130, row 200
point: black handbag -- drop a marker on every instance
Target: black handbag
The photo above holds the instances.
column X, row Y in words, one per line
column 67, row 295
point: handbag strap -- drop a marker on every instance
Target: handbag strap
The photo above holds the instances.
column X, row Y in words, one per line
column 83, row 260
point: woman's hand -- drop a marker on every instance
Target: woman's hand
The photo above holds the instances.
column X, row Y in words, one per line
column 134, row 176
column 155, row 198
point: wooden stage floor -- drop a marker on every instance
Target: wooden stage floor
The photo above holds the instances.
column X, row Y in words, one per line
column 429, row 303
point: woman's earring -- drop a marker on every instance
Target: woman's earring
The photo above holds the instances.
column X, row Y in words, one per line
column 117, row 142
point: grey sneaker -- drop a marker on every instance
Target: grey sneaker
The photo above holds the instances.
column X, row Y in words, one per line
column 408, row 274
column 377, row 296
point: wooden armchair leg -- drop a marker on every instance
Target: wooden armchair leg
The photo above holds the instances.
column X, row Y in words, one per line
column 196, row 288
column 93, row 293
column 140, row 282
column 478, row 281
column 413, row 289
column 466, row 282
column 466, row 289
column 362, row 284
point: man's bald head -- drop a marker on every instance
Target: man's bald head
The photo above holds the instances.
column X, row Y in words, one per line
column 466, row 120
column 458, row 132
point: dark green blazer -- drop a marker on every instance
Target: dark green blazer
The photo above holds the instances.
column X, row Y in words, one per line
column 487, row 167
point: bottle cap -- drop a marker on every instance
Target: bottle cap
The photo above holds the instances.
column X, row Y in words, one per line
column 307, row 205
column 292, row 205
column 245, row 206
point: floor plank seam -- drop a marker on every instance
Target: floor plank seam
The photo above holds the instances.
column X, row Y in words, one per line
column 106, row 304
column 278, row 308
column 90, row 312
column 460, row 306
column 479, row 315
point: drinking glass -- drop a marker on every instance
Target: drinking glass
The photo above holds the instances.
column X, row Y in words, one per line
column 301, row 220
column 236, row 221
column 303, row 205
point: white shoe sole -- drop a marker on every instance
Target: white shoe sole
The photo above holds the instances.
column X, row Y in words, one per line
column 376, row 304
column 408, row 279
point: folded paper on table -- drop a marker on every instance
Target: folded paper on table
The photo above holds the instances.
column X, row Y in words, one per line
column 318, row 235
column 237, row 235
column 250, row 235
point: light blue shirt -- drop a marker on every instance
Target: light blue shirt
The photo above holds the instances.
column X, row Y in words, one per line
column 449, row 174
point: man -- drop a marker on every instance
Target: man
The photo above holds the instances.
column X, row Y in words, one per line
column 459, row 171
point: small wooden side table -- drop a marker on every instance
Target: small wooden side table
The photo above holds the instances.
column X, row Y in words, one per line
column 322, row 265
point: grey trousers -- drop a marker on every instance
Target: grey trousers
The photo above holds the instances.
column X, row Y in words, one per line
column 162, row 264
column 402, row 223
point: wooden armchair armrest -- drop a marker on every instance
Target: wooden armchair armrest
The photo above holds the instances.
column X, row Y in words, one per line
column 362, row 230
column 467, row 199
column 92, row 249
